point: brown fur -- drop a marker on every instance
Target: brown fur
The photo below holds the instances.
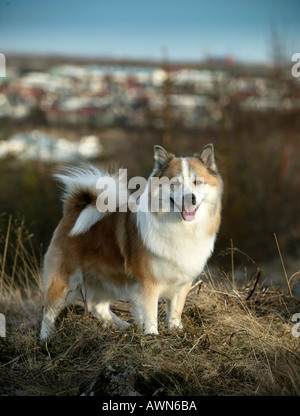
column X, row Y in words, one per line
column 172, row 169
column 202, row 172
column 120, row 257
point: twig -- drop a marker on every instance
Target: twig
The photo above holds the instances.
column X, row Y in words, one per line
column 236, row 332
column 195, row 345
column 221, row 353
column 255, row 284
column 5, row 249
column 293, row 275
column 199, row 283
column 277, row 314
column 232, row 263
column 56, row 360
column 155, row 336
column 224, row 252
column 282, row 263
column 259, row 270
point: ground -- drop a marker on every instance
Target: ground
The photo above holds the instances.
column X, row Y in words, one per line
column 229, row 346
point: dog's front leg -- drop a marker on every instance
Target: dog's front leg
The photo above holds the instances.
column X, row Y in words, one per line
column 145, row 305
column 175, row 307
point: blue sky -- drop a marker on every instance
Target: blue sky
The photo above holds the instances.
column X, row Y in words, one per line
column 189, row 29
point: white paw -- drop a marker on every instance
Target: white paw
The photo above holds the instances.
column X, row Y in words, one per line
column 46, row 332
column 175, row 324
column 115, row 323
column 150, row 329
column 122, row 324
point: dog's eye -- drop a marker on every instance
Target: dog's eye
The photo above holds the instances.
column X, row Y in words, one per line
column 198, row 181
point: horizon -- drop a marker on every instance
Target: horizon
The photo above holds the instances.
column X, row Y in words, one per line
column 70, row 59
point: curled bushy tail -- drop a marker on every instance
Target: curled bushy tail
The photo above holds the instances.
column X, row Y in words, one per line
column 83, row 192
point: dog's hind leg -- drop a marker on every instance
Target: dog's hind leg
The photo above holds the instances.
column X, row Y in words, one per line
column 102, row 311
column 98, row 303
column 54, row 302
column 60, row 284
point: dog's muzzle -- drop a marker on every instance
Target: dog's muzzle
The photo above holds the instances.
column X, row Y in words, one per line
column 188, row 206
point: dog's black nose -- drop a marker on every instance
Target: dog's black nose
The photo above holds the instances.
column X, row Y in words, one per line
column 190, row 199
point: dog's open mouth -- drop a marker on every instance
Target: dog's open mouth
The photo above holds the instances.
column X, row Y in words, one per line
column 188, row 213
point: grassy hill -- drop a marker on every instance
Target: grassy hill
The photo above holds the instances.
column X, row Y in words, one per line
column 235, row 342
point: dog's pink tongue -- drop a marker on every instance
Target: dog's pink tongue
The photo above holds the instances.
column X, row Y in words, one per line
column 188, row 215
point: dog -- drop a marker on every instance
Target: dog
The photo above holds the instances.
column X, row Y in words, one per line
column 141, row 255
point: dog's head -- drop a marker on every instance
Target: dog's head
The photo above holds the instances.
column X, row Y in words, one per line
column 186, row 183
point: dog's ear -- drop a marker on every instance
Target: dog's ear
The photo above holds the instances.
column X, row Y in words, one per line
column 207, row 157
column 161, row 158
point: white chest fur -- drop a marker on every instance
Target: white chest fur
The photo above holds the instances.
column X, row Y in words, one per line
column 179, row 249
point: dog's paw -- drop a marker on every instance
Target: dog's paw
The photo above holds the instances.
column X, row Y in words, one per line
column 115, row 323
column 123, row 325
column 150, row 330
column 175, row 324
column 46, row 332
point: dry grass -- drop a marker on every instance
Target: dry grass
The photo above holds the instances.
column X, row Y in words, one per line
column 230, row 346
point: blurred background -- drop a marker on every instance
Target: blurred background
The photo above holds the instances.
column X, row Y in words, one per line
column 103, row 82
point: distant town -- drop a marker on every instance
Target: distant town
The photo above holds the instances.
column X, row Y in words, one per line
column 108, row 95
